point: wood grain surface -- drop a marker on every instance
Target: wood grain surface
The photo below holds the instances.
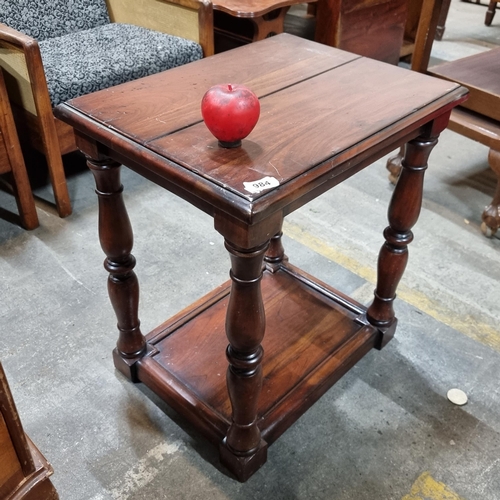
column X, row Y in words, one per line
column 325, row 115
column 321, row 108
column 334, row 120
column 160, row 104
column 251, row 8
column 480, row 73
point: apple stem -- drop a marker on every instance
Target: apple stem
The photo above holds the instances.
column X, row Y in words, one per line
column 230, row 87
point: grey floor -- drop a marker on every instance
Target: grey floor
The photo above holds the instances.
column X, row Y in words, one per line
column 385, row 431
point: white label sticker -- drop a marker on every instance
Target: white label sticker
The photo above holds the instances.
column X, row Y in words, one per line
column 255, row 187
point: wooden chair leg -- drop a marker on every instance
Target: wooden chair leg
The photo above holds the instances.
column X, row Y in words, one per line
column 58, row 181
column 491, row 214
column 56, row 168
column 490, row 13
column 443, row 14
column 20, row 182
column 394, row 165
column 24, row 197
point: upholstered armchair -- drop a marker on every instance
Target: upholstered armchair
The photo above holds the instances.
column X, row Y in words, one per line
column 55, row 50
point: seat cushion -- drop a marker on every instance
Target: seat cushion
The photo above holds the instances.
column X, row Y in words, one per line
column 99, row 58
column 50, row 18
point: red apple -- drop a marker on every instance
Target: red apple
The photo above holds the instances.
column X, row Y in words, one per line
column 230, row 112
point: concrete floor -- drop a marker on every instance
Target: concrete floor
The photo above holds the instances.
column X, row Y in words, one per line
column 385, row 431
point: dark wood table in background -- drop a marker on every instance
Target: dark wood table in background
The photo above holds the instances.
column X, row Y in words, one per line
column 479, row 117
column 325, row 115
column 266, row 17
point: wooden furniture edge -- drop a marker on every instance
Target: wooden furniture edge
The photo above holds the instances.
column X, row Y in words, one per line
column 285, row 411
column 14, row 425
column 479, row 128
column 476, row 101
column 249, row 212
column 256, row 13
column 44, row 113
column 431, row 10
column 206, row 27
column 22, row 188
column 37, row 485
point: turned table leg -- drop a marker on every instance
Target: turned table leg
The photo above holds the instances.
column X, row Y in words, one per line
column 403, row 213
column 491, row 214
column 275, row 254
column 243, row 451
column 115, row 235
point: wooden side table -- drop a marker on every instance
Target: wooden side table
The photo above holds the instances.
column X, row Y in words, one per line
column 24, row 472
column 325, row 115
column 264, row 18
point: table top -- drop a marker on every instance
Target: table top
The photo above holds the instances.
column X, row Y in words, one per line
column 480, row 73
column 325, row 114
column 252, row 8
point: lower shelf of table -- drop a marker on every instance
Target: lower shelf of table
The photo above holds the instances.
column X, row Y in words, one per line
column 314, row 335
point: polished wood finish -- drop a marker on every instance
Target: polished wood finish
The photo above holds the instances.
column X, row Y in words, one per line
column 115, row 233
column 245, row 327
column 21, row 61
column 25, row 80
column 403, row 214
column 420, row 31
column 372, row 28
column 480, row 73
column 248, row 21
column 24, row 472
column 325, row 115
column 251, row 8
column 12, row 162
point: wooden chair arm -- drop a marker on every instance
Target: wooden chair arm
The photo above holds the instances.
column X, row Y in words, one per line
column 191, row 19
column 14, row 37
column 22, row 65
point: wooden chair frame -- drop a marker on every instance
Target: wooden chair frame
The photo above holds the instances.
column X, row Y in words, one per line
column 25, row 472
column 27, row 87
column 420, row 48
column 12, row 162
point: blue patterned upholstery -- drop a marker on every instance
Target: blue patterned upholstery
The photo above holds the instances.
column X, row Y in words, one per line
column 96, row 59
column 42, row 19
